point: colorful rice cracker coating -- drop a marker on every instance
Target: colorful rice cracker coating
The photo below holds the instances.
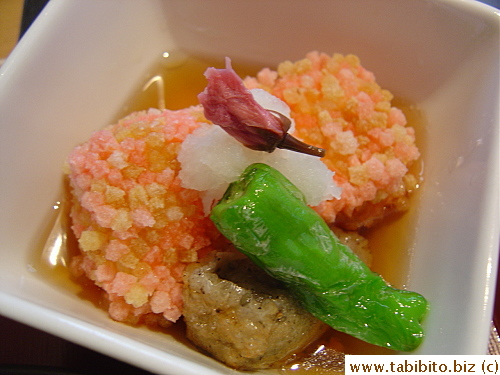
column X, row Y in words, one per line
column 337, row 105
column 136, row 226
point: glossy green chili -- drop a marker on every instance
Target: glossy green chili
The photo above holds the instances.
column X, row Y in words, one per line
column 266, row 217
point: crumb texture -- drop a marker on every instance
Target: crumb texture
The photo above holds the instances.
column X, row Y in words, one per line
column 338, row 105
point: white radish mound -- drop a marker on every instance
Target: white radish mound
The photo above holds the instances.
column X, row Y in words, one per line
column 211, row 159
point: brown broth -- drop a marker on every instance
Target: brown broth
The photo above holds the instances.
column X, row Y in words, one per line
column 183, row 80
column 390, row 241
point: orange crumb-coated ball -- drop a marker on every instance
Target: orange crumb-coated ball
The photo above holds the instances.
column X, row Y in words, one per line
column 136, row 226
column 337, row 105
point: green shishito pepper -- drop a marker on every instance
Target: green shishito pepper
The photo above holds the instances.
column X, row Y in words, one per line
column 265, row 216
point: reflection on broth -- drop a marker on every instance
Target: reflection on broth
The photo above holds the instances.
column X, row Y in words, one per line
column 179, row 79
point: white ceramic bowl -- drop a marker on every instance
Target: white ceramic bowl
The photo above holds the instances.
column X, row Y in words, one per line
column 81, row 60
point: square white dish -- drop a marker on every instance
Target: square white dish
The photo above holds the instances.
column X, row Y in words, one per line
column 81, row 60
